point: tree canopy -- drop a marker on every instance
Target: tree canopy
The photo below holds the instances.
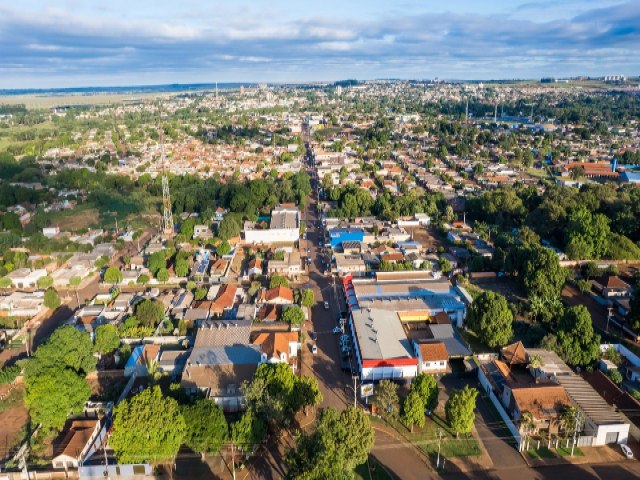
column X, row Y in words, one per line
column 578, row 344
column 206, row 426
column 107, row 339
column 293, row 315
column 386, row 398
column 459, row 409
column 340, row 442
column 149, row 312
column 147, row 428
column 51, row 298
column 491, row 319
column 113, row 275
column 427, row 386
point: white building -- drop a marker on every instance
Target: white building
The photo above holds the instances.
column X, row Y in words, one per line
column 284, row 227
column 26, row 278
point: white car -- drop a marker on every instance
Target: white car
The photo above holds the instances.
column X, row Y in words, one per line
column 626, row 450
column 326, row 305
column 314, row 349
column 336, row 330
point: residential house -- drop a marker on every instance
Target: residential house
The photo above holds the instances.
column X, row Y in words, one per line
column 202, row 232
column 289, row 266
column 72, row 445
column 255, row 267
column 25, row 277
column 432, row 357
column 610, row 286
column 278, row 347
column 225, row 300
column 276, row 295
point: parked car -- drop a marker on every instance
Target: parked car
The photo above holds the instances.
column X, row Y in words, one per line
column 336, row 330
column 626, row 450
column 326, row 305
column 314, row 349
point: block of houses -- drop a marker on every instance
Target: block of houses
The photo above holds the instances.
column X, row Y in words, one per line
column 432, row 357
column 278, row 347
column 22, row 304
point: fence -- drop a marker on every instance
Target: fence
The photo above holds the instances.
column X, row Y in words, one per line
column 484, row 381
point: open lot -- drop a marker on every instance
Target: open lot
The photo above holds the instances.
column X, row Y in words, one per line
column 13, row 419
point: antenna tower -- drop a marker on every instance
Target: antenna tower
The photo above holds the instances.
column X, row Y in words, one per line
column 167, row 216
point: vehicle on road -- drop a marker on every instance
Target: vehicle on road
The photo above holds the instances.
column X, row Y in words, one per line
column 326, row 305
column 314, row 349
column 344, row 339
column 336, row 330
column 626, row 450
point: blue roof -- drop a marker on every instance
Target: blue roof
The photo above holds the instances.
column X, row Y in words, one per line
column 633, row 177
column 135, row 355
column 342, row 231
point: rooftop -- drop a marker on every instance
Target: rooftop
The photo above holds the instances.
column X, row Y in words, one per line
column 220, row 333
column 591, row 404
column 380, row 335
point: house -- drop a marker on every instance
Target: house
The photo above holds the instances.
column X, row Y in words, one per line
column 255, row 267
column 22, row 304
column 284, row 227
column 220, row 371
column 202, row 232
column 278, row 347
column 432, row 357
column 141, row 358
column 289, row 266
column 219, row 214
column 25, row 277
column 173, row 362
column 545, row 403
column 346, row 264
column 609, row 286
column 72, row 445
column 276, row 295
column 225, row 299
column 515, row 354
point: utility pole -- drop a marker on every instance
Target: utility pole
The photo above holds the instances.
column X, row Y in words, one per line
column 355, row 389
column 608, row 318
column 439, row 438
column 233, row 460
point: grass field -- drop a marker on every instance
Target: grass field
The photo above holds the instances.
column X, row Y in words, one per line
column 426, row 438
column 542, row 452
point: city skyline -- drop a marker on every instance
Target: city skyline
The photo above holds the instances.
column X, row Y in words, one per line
column 78, row 44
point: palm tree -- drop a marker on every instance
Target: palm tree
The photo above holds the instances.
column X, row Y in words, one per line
column 535, row 361
column 527, row 423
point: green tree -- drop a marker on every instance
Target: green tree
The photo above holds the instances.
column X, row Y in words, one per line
column 386, row 398
column 182, row 267
column 201, row 293
column 578, row 344
column 445, row 265
column 5, row 282
column 587, row 234
column 491, row 319
column 156, row 261
column 186, row 228
column 615, row 376
column 54, row 394
column 223, row 248
column 162, row 275
column 107, row 339
column 278, row 281
column 459, row 409
column 308, row 298
column 147, row 428
column 249, row 431
column 143, row 279
column 541, row 273
column 113, row 275
column 413, row 410
column 149, row 312
column 306, row 392
column 45, row 282
column 51, row 298
column 568, row 418
column 293, row 315
column 67, row 347
column 427, row 386
column 206, row 426
column 340, row 442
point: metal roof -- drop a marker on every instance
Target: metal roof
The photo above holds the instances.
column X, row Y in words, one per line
column 380, row 335
column 589, row 401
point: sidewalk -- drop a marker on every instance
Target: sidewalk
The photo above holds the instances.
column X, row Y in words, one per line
column 592, row 455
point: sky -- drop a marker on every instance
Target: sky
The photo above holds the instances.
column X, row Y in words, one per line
column 71, row 43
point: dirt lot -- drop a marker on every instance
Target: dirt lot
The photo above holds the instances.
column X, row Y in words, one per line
column 77, row 218
column 13, row 419
column 427, row 238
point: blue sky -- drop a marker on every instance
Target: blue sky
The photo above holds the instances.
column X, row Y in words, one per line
column 67, row 43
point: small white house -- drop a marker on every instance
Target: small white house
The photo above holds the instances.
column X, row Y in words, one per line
column 432, row 357
column 26, row 278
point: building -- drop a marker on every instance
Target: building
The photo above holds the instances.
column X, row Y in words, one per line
column 346, row 264
column 220, row 371
column 278, row 347
column 432, row 357
column 22, row 304
column 609, row 286
column 25, row 277
column 72, row 445
column 339, row 235
column 276, row 296
column 225, row 299
column 382, row 349
column 288, row 267
column 284, row 227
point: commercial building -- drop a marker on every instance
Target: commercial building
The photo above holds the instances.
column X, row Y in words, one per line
column 283, row 228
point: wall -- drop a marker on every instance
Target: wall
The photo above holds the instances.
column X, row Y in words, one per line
column 271, row 235
column 496, row 403
column 601, row 433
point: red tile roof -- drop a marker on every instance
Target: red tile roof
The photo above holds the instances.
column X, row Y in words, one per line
column 432, row 352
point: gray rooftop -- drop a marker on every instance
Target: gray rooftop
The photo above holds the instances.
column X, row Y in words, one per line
column 284, row 218
column 380, row 335
column 220, row 333
column 230, row 355
column 445, row 333
column 589, row 401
